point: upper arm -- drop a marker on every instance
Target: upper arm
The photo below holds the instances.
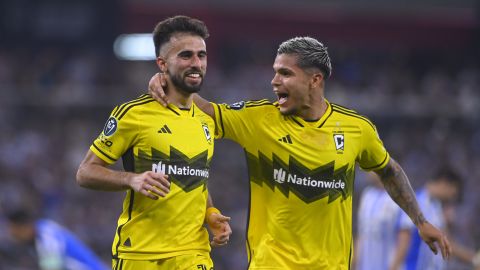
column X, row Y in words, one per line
column 92, row 159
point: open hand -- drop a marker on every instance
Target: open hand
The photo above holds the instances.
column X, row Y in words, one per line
column 434, row 238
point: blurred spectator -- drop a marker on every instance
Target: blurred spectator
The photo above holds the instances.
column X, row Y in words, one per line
column 46, row 242
column 376, row 244
column 443, row 188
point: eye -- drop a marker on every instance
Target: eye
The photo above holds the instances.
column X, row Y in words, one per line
column 284, row 72
column 185, row 54
column 202, row 55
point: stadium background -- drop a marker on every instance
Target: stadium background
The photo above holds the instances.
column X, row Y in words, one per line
column 411, row 66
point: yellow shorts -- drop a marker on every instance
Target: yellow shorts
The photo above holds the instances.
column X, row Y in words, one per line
column 182, row 262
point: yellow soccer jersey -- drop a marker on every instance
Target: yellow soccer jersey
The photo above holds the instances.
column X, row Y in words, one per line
column 301, row 181
column 148, row 136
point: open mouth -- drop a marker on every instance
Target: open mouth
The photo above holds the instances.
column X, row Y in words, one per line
column 282, row 98
column 194, row 77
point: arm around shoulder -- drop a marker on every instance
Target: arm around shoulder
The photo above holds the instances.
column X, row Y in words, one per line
column 204, row 105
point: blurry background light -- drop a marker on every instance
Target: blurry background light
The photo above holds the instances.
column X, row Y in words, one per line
column 134, row 47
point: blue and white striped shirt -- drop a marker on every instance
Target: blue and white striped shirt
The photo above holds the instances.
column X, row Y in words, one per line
column 378, row 226
column 419, row 256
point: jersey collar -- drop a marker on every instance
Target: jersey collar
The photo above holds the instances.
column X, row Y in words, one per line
column 318, row 124
column 182, row 111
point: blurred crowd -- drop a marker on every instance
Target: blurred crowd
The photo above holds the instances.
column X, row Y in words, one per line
column 54, row 101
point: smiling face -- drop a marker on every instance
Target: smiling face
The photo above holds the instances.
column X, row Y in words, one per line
column 184, row 59
column 295, row 88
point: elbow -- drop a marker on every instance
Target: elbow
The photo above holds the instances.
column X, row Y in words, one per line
column 81, row 179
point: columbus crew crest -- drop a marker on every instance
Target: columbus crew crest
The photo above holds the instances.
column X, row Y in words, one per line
column 207, row 133
column 339, row 140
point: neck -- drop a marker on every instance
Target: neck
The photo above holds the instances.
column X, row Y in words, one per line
column 179, row 98
column 315, row 111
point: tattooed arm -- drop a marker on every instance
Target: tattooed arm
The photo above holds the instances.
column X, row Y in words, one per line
column 397, row 185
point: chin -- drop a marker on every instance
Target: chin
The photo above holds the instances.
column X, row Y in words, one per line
column 286, row 111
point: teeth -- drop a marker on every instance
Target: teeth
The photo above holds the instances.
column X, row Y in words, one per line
column 194, row 75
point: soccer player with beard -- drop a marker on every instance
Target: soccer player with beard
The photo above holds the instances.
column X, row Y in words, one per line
column 301, row 154
column 166, row 153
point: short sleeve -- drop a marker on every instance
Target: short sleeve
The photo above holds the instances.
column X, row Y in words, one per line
column 117, row 136
column 373, row 155
column 235, row 121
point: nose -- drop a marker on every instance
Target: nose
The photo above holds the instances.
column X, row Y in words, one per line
column 275, row 81
column 196, row 61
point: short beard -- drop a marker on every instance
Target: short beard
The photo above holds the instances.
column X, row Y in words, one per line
column 180, row 84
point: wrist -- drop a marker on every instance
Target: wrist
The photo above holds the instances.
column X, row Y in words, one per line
column 419, row 220
column 211, row 210
column 127, row 179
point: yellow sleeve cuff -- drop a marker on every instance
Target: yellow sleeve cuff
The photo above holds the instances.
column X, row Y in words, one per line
column 211, row 210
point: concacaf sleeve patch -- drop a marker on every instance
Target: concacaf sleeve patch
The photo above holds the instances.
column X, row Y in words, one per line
column 236, row 106
column 110, row 126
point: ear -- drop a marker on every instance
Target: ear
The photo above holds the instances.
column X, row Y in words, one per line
column 317, row 80
column 162, row 64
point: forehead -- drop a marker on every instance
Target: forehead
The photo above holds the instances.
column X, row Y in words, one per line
column 288, row 61
column 183, row 42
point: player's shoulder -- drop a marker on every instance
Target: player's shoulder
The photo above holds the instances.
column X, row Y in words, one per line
column 131, row 106
column 351, row 116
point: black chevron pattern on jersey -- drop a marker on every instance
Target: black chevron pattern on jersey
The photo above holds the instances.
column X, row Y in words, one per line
column 176, row 159
column 262, row 169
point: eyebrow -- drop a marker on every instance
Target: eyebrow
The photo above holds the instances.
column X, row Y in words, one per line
column 192, row 51
column 284, row 70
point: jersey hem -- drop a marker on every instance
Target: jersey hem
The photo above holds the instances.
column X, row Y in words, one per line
column 379, row 166
column 143, row 256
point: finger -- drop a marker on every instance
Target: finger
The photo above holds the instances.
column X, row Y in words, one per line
column 228, row 230
column 445, row 247
column 148, row 194
column 215, row 244
column 221, row 238
column 433, row 248
column 220, row 218
column 162, row 79
column 160, row 178
column 164, row 98
column 160, row 185
column 449, row 249
column 154, row 190
column 158, row 97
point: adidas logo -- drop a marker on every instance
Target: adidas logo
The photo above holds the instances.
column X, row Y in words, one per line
column 127, row 243
column 286, row 139
column 165, row 129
